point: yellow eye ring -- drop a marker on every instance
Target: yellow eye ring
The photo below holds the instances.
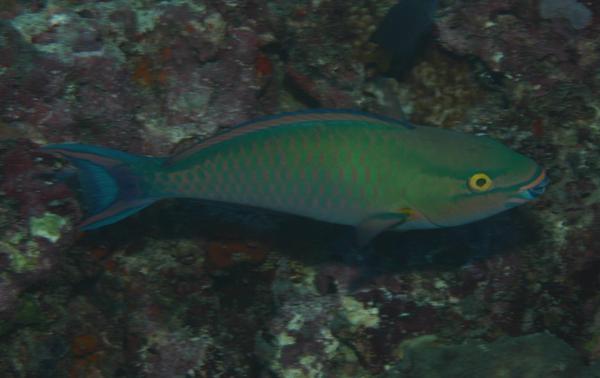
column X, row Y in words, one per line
column 480, row 182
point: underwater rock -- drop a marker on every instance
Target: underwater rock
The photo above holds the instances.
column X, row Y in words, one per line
column 536, row 57
column 578, row 15
column 143, row 76
column 537, row 355
column 36, row 224
column 140, row 78
column 324, row 45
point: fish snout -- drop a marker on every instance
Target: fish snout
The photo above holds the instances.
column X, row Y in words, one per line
column 531, row 191
column 539, row 189
column 536, row 188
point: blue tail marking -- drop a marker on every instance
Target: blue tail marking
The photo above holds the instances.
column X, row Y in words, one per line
column 111, row 187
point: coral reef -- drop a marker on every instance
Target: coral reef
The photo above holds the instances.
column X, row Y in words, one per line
column 540, row 355
column 182, row 290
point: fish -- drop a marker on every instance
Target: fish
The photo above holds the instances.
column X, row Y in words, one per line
column 348, row 167
column 405, row 31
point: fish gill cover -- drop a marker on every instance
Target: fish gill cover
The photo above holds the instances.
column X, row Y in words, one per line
column 177, row 290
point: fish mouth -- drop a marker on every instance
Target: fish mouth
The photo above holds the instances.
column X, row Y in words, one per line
column 531, row 191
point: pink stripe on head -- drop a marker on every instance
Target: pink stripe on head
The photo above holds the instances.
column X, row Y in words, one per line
column 535, row 182
column 516, row 201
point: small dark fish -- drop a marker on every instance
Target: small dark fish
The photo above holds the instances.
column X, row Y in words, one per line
column 404, row 30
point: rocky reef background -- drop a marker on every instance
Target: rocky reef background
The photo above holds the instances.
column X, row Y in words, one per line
column 181, row 290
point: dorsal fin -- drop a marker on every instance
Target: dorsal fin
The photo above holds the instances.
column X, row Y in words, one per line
column 283, row 119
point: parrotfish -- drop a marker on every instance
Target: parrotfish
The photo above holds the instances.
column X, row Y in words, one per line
column 347, row 167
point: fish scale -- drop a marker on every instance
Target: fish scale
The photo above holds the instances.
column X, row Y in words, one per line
column 278, row 169
column 346, row 167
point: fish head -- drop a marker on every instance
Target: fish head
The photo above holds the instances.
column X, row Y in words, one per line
column 474, row 177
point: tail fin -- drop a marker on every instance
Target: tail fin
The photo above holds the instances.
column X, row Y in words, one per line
column 111, row 187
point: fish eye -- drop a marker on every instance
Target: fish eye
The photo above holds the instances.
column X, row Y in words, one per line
column 480, row 182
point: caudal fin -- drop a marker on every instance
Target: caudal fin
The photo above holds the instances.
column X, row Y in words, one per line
column 111, row 186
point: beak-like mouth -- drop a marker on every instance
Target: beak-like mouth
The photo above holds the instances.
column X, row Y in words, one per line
column 533, row 190
column 536, row 188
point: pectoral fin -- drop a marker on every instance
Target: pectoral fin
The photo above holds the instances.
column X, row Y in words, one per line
column 372, row 226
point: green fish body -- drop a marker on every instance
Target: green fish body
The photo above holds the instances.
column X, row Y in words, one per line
column 369, row 171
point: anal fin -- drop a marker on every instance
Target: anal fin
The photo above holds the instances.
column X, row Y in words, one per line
column 374, row 225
